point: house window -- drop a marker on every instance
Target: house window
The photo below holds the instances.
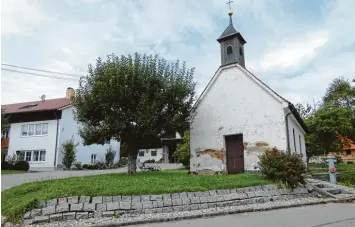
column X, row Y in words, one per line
column 24, row 130
column 34, row 129
column 28, row 156
column 229, row 50
column 42, row 156
column 141, row 154
column 299, row 138
column 241, row 51
column 5, row 134
column 93, row 158
column 35, row 156
column 153, row 153
column 32, row 156
column 294, row 139
column 348, row 152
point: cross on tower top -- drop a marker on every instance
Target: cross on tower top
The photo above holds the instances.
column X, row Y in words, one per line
column 229, row 3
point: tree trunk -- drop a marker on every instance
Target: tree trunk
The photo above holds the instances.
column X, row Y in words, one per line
column 132, row 164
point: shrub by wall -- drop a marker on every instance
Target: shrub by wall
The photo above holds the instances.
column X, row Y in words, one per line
column 6, row 166
column 284, row 168
column 22, row 165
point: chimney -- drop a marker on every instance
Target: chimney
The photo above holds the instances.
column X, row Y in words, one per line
column 70, row 93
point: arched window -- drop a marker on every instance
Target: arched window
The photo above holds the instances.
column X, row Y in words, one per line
column 294, row 140
column 229, row 50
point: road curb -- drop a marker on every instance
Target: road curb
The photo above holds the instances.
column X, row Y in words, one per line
column 212, row 214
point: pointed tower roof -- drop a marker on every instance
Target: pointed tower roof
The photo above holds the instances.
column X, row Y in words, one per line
column 230, row 31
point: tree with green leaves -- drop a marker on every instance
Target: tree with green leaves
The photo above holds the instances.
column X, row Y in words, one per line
column 182, row 152
column 69, row 152
column 134, row 99
column 340, row 93
column 4, row 119
column 327, row 126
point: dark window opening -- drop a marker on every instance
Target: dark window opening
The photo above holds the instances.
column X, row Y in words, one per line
column 141, row 153
column 294, row 139
column 153, row 153
column 229, row 50
column 348, row 152
column 241, row 51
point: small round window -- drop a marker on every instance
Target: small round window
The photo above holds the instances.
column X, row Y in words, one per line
column 229, row 50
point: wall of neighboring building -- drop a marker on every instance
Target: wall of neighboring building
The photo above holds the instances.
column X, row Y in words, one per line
column 295, row 129
column 69, row 128
column 234, row 104
column 148, row 154
column 32, row 143
column 348, row 156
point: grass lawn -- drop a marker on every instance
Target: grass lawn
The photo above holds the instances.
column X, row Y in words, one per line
column 323, row 167
column 11, row 171
column 347, row 171
column 16, row 201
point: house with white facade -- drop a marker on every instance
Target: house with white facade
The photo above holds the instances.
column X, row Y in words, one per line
column 238, row 117
column 39, row 128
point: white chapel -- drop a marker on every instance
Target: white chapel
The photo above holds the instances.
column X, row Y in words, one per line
column 237, row 116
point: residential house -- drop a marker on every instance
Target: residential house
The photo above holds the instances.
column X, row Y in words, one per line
column 39, row 128
column 238, row 117
column 347, row 154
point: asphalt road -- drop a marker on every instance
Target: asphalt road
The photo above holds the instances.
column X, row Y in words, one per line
column 11, row 180
column 328, row 215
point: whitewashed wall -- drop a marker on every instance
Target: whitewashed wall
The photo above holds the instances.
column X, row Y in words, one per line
column 236, row 104
column 300, row 147
column 148, row 156
column 70, row 127
column 45, row 142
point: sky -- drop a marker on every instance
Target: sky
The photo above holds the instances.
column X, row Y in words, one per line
column 297, row 47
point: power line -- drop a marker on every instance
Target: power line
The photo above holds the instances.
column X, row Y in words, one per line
column 42, row 75
column 41, row 70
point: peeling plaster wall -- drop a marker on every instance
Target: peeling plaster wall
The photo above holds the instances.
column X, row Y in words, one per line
column 236, row 104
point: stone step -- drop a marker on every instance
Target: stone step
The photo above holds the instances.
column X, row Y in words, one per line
column 333, row 191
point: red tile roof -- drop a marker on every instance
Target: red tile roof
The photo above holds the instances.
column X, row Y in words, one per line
column 350, row 144
column 49, row 104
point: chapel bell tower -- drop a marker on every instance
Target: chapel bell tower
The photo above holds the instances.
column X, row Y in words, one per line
column 232, row 45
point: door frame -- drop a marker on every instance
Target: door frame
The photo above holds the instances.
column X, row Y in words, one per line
column 225, row 147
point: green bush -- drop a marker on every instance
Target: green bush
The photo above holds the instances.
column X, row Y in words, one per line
column 78, row 165
column 348, row 177
column 182, row 152
column 85, row 166
column 69, row 153
column 6, row 166
column 284, row 168
column 110, row 156
column 22, row 165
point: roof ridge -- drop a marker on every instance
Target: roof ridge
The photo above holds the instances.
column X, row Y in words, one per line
column 29, row 102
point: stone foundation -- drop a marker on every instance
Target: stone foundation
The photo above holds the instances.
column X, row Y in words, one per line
column 83, row 207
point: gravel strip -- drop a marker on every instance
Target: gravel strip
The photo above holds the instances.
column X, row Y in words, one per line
column 125, row 219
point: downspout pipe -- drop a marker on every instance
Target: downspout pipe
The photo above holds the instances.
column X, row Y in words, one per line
column 288, row 133
column 56, row 142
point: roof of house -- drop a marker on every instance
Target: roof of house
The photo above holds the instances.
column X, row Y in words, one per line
column 266, row 87
column 350, row 145
column 49, row 104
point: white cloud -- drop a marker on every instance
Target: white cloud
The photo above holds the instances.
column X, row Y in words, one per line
column 21, row 17
column 294, row 52
column 296, row 58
